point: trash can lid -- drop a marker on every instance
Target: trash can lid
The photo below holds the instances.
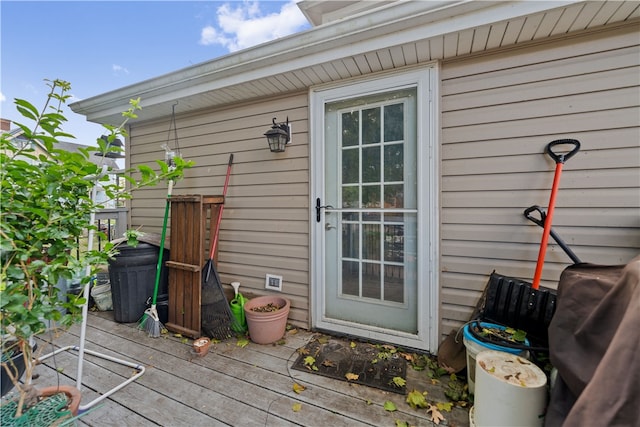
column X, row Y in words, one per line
column 150, row 238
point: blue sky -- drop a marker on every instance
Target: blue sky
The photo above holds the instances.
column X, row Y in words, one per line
column 100, row 46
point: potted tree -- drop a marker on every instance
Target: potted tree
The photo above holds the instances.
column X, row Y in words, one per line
column 46, row 209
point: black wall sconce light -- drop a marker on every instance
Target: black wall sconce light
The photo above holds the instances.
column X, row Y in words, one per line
column 279, row 136
column 114, row 150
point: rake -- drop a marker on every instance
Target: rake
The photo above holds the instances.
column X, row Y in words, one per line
column 218, row 321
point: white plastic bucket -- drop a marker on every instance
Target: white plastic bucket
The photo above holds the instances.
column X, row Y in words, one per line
column 510, row 391
column 472, row 417
column 475, row 346
column 102, row 296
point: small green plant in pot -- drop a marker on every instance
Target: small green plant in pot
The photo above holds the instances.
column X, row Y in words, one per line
column 47, row 203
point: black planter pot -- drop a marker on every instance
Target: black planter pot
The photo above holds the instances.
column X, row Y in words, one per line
column 18, row 361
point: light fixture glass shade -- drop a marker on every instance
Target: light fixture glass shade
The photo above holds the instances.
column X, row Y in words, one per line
column 278, row 136
column 277, row 141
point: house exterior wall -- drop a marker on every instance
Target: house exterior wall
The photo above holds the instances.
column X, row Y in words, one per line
column 498, row 113
column 265, row 226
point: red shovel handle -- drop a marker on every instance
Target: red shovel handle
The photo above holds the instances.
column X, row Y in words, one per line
column 214, row 245
column 559, row 159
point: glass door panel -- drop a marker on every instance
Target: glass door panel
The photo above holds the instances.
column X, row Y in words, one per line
column 371, row 217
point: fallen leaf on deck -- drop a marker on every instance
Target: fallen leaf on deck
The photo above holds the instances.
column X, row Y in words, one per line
column 349, row 376
column 448, row 368
column 399, row 381
column 444, row 406
column 296, row 407
column 323, row 339
column 390, row 406
column 328, row 363
column 436, row 416
column 242, row 342
column 416, row 400
column 303, row 350
column 298, row 388
column 408, row 357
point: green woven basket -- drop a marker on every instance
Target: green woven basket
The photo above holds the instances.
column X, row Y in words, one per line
column 48, row 412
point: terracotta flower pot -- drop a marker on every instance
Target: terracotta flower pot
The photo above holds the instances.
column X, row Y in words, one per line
column 73, row 395
column 266, row 326
column 201, row 346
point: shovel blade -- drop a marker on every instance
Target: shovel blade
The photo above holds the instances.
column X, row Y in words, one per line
column 514, row 303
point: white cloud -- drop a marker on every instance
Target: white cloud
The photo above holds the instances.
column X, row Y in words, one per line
column 244, row 25
column 209, row 36
column 2, row 97
column 119, row 69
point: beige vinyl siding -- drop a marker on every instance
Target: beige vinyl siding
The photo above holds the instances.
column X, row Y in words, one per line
column 265, row 226
column 499, row 111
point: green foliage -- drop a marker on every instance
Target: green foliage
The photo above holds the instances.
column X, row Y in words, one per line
column 457, row 390
column 47, row 204
column 386, row 352
column 420, row 362
column 518, row 335
column 132, row 237
column 310, row 363
column 506, row 334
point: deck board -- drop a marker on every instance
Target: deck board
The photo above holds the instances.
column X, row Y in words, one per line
column 231, row 385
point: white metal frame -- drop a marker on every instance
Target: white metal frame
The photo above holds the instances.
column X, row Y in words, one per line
column 83, row 330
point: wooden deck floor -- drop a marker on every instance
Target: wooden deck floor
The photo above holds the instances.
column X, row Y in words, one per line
column 231, row 385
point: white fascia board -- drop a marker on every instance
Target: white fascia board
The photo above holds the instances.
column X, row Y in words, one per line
column 399, row 23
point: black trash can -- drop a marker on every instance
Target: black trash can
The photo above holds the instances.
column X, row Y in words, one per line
column 133, row 276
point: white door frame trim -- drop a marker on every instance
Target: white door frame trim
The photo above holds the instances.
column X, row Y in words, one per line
column 426, row 78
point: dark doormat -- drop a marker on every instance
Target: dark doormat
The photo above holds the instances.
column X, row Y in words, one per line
column 355, row 362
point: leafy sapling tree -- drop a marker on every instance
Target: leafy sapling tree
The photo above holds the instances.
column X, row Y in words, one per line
column 46, row 206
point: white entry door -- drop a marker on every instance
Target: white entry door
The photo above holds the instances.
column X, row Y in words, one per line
column 372, row 211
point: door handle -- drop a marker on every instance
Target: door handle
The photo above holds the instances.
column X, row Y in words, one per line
column 319, row 208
